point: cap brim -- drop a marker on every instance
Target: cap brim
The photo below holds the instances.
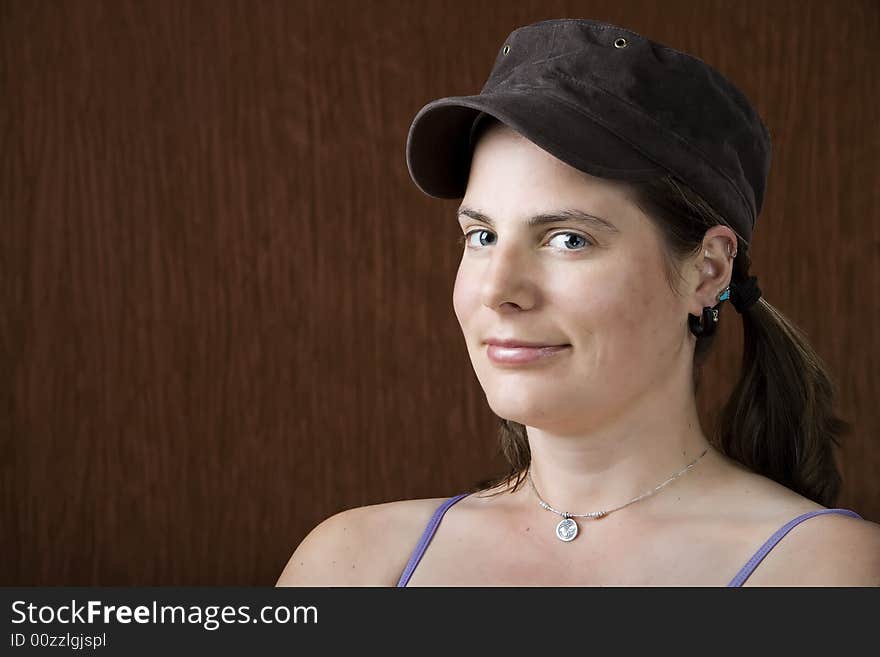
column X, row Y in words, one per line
column 438, row 149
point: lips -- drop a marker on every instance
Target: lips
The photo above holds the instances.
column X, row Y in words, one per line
column 520, row 343
column 518, row 355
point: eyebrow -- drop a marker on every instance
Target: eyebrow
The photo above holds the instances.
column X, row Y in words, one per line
column 547, row 218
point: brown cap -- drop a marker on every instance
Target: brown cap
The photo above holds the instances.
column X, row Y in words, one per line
column 609, row 102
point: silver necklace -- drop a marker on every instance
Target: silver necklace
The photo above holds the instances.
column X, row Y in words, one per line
column 567, row 528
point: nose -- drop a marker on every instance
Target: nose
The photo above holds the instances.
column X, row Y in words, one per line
column 507, row 278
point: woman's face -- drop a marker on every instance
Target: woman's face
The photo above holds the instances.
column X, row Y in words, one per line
column 600, row 290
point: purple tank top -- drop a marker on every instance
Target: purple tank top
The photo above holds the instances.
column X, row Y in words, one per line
column 738, row 580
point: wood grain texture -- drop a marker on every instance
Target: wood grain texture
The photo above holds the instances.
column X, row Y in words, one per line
column 228, row 309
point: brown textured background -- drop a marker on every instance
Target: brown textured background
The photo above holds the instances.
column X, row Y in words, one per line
column 227, row 311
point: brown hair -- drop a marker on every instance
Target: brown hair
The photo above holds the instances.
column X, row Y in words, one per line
column 779, row 420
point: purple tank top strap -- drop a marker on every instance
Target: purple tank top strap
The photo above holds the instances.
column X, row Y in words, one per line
column 427, row 535
column 762, row 552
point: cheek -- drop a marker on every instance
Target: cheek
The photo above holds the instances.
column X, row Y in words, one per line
column 464, row 296
column 602, row 303
column 622, row 309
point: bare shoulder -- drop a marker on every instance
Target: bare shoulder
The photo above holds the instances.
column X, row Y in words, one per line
column 828, row 549
column 362, row 546
column 831, row 549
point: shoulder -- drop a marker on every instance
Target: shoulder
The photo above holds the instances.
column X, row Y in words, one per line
column 830, row 549
column 362, row 546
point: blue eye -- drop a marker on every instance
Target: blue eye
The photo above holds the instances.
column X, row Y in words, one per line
column 576, row 236
column 466, row 237
column 469, row 244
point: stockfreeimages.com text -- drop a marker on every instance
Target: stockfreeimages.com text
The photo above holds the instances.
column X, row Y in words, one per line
column 210, row 616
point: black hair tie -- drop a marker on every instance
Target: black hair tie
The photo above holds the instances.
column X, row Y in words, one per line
column 744, row 294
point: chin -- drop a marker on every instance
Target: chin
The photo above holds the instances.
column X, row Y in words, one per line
column 525, row 410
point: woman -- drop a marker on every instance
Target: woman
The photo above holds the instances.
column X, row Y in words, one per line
column 610, row 186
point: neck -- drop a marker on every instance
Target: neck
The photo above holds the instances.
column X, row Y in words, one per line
column 607, row 462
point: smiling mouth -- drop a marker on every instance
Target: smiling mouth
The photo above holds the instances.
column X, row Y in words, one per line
column 521, row 355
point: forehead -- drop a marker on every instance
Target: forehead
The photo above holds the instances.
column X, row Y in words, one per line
column 512, row 176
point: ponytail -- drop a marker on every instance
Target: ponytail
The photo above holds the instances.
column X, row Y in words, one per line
column 779, row 420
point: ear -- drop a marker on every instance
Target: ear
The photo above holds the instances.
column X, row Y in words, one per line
column 712, row 268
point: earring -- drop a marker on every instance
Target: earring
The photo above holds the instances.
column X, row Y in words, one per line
column 730, row 252
column 706, row 323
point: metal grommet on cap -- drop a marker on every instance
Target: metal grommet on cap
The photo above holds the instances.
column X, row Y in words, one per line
column 506, row 49
column 620, row 42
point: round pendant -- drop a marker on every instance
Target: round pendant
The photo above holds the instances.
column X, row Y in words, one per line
column 566, row 530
